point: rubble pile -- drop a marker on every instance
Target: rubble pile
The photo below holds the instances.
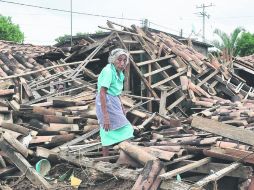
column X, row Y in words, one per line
column 191, row 114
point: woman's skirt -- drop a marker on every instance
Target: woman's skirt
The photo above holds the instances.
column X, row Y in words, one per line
column 115, row 136
column 120, row 127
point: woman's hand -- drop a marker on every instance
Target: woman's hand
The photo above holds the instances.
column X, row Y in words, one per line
column 124, row 112
column 106, row 125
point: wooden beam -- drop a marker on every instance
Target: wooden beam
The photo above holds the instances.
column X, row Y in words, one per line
column 154, row 60
column 244, row 172
column 168, row 79
column 215, row 176
column 176, row 89
column 174, row 185
column 44, row 69
column 225, row 130
column 105, row 167
column 143, row 79
column 186, row 168
column 130, row 42
column 76, row 140
column 163, row 101
column 179, row 159
column 208, row 78
column 120, row 172
column 137, row 51
column 148, row 120
column 119, row 31
column 157, row 71
column 178, row 101
column 19, row 147
column 148, row 178
column 23, row 165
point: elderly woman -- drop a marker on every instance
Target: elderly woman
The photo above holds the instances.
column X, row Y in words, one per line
column 114, row 126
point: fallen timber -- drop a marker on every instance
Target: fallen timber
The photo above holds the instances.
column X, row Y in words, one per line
column 168, row 84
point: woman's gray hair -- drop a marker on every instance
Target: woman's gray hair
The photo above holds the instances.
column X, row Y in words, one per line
column 114, row 54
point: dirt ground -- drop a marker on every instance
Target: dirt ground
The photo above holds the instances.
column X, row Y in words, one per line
column 91, row 180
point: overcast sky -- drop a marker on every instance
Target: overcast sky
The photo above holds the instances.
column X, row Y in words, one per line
column 42, row 26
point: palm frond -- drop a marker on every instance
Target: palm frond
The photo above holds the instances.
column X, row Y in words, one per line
column 224, row 37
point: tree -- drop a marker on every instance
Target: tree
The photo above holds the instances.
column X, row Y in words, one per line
column 10, row 31
column 63, row 38
column 228, row 42
column 245, row 44
column 67, row 37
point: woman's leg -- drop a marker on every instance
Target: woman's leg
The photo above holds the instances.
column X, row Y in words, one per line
column 105, row 151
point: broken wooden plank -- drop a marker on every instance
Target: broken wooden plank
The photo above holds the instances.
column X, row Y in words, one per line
column 18, row 146
column 174, row 185
column 168, row 79
column 224, row 130
column 230, row 154
column 149, row 176
column 154, row 60
column 185, row 168
column 178, row 101
column 244, row 172
column 17, row 128
column 157, row 71
column 208, row 78
column 23, row 165
column 44, row 69
column 105, row 167
column 76, row 140
column 215, row 176
column 163, row 102
column 148, row 120
column 180, row 159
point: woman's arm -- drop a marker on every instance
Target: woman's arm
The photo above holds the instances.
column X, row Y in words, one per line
column 122, row 105
column 106, row 121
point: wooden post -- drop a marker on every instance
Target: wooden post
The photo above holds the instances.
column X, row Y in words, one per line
column 162, row 108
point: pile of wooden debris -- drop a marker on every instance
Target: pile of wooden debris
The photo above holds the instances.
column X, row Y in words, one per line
column 191, row 114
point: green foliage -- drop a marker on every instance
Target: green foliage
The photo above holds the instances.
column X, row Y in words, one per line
column 99, row 32
column 82, row 34
column 10, row 31
column 245, row 44
column 67, row 37
column 228, row 42
column 63, row 38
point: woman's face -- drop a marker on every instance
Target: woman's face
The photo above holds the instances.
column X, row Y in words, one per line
column 121, row 62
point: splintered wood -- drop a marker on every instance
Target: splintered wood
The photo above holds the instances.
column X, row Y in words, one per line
column 186, row 109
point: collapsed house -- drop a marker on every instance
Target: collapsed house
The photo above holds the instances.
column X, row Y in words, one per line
column 244, row 67
column 191, row 114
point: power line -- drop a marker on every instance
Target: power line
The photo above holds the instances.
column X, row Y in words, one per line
column 67, row 11
column 234, row 17
column 164, row 27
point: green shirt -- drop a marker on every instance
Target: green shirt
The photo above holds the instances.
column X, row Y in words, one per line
column 111, row 80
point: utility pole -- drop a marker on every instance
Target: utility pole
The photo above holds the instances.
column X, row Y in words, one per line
column 204, row 14
column 145, row 24
column 71, row 24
